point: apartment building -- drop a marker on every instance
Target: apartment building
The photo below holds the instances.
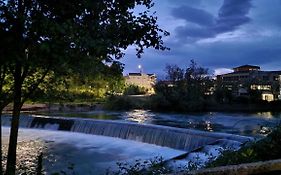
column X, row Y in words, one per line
column 245, row 78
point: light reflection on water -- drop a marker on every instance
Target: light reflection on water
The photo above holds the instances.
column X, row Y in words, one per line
column 250, row 124
column 140, row 116
column 27, row 156
column 209, row 126
column 269, row 115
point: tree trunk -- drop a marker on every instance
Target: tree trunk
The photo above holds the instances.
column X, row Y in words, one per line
column 11, row 160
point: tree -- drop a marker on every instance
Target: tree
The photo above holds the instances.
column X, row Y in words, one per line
column 5, row 98
column 188, row 88
column 197, row 80
column 174, row 73
column 39, row 37
column 5, row 95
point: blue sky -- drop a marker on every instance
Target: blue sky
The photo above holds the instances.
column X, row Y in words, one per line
column 217, row 34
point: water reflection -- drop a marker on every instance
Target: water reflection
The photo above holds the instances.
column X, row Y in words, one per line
column 269, row 114
column 251, row 124
column 27, row 156
column 140, row 116
column 259, row 124
column 208, row 126
column 265, row 114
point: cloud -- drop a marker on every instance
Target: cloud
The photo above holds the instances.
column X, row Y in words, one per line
column 221, row 71
column 235, row 32
column 181, row 2
column 195, row 32
column 194, row 15
column 231, row 15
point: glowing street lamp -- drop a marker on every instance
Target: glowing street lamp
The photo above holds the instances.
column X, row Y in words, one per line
column 139, row 66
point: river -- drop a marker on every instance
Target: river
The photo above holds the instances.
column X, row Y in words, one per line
column 249, row 124
column 78, row 153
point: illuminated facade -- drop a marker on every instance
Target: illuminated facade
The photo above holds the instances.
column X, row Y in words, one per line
column 250, row 78
column 146, row 81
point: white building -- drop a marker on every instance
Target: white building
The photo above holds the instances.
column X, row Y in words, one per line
column 146, row 81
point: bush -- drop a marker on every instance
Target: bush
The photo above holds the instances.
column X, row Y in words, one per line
column 266, row 149
column 134, row 90
column 176, row 100
column 119, row 103
column 152, row 166
column 158, row 102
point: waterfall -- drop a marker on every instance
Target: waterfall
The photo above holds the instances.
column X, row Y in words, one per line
column 177, row 138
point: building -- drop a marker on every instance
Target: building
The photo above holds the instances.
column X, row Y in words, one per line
column 247, row 78
column 142, row 80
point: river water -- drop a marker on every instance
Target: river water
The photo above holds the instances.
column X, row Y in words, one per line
column 76, row 153
column 249, row 124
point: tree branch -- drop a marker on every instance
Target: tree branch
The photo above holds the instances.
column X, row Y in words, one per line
column 35, row 85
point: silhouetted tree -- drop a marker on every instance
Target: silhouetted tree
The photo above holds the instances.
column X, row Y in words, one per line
column 174, row 73
column 39, row 37
column 188, row 88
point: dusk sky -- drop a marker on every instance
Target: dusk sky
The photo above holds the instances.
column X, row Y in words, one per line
column 217, row 34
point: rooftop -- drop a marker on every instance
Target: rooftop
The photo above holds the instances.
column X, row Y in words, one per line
column 140, row 74
column 247, row 66
column 135, row 74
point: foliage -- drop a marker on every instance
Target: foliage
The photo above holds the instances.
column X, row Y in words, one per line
column 223, row 95
column 174, row 73
column 85, row 87
column 119, row 103
column 266, row 149
column 134, row 90
column 184, row 90
column 42, row 37
column 142, row 167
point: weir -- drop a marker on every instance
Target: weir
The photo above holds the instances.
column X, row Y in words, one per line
column 177, row 138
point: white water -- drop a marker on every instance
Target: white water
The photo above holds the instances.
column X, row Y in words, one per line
column 177, row 138
column 89, row 154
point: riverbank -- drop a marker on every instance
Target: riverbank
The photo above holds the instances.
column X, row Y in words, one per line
column 253, row 158
column 248, row 107
column 151, row 103
column 56, row 107
column 129, row 102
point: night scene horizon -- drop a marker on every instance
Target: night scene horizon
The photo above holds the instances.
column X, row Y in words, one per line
column 219, row 35
column 140, row 87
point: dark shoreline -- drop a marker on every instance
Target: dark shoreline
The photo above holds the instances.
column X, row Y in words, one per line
column 228, row 108
column 244, row 108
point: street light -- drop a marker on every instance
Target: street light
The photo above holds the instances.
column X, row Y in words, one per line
column 139, row 66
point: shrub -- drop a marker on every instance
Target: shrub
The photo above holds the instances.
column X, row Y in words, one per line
column 266, row 149
column 119, row 103
column 152, row 166
column 134, row 90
